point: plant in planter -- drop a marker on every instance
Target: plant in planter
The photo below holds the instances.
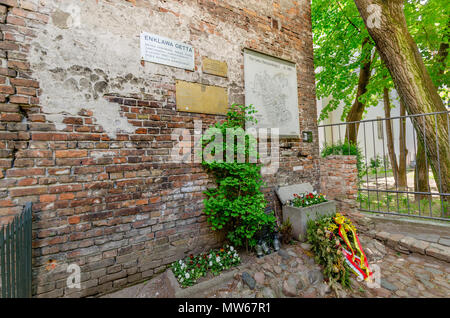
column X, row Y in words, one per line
column 308, row 199
column 237, row 205
column 189, row 270
column 286, row 231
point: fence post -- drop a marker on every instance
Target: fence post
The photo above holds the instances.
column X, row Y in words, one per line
column 16, row 256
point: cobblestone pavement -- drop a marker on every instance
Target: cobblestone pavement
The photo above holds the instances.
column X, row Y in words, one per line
column 292, row 272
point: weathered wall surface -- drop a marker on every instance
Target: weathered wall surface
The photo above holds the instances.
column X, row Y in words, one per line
column 85, row 131
column 339, row 181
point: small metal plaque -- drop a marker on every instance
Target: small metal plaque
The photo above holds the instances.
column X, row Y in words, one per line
column 214, row 67
column 198, row 98
column 307, row 136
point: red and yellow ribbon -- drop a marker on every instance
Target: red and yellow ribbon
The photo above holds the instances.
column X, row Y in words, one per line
column 358, row 261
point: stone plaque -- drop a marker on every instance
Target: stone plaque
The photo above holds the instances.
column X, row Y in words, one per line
column 215, row 67
column 271, row 86
column 161, row 50
column 198, row 98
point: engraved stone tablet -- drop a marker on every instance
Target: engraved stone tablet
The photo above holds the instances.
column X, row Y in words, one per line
column 286, row 193
column 198, row 98
column 215, row 67
column 161, row 50
column 271, row 86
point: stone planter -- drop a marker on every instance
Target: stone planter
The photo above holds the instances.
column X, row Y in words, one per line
column 200, row 289
column 299, row 216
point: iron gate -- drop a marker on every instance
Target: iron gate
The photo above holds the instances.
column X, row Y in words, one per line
column 15, row 256
column 380, row 189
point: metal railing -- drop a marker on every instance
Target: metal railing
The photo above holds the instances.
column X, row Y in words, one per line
column 15, row 256
column 380, row 189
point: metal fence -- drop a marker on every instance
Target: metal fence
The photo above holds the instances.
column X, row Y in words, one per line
column 15, row 256
column 380, row 189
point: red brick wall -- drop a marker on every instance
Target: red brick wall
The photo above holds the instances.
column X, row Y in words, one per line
column 339, row 181
column 115, row 206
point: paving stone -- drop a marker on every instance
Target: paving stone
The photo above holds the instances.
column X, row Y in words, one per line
column 412, row 291
column 415, row 259
column 393, row 239
column 424, row 276
column 433, row 270
column 283, row 254
column 387, row 285
column 444, row 241
column 424, row 279
column 404, row 279
column 249, row 280
column 268, row 293
column 414, row 245
column 382, row 292
column 383, row 236
column 432, row 238
column 306, row 246
column 290, row 286
column 324, row 289
column 315, row 276
column 413, row 275
column 401, row 293
column 277, row 269
column 439, row 251
column 259, row 278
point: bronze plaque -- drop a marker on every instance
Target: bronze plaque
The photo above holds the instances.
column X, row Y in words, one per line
column 198, row 98
column 215, row 67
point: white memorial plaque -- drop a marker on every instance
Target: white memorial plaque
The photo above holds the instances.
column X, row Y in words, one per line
column 271, row 86
column 161, row 50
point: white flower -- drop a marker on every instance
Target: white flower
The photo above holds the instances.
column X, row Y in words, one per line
column 231, row 248
column 210, row 263
column 209, row 256
column 217, row 259
column 187, row 275
column 181, row 280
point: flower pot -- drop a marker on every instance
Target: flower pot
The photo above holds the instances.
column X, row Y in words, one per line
column 299, row 216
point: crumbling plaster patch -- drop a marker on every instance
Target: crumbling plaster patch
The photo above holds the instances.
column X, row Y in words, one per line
column 90, row 49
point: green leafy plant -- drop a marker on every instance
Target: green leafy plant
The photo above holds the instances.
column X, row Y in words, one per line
column 346, row 149
column 236, row 205
column 326, row 252
column 308, row 199
column 189, row 270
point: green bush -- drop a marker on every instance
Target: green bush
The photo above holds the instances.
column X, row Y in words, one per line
column 237, row 204
column 346, row 148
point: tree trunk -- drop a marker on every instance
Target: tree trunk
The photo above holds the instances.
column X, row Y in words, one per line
column 357, row 110
column 389, row 137
column 421, row 177
column 413, row 83
column 402, row 178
